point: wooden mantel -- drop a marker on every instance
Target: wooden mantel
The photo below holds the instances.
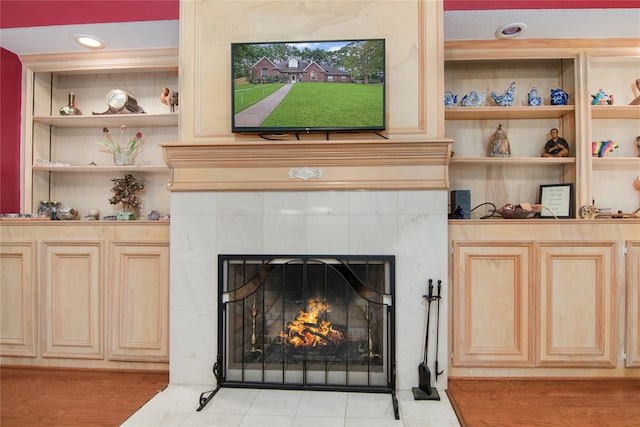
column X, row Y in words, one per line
column 309, row 165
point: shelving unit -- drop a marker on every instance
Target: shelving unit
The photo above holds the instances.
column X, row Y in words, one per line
column 515, row 179
column 62, row 160
column 619, row 122
column 580, row 68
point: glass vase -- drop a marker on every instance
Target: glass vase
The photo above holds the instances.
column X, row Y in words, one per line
column 121, row 159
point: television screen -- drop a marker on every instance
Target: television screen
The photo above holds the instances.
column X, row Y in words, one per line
column 281, row 87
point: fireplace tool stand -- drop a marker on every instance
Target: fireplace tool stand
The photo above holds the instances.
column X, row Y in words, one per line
column 425, row 391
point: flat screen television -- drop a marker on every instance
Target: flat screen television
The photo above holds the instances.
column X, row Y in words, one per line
column 308, row 86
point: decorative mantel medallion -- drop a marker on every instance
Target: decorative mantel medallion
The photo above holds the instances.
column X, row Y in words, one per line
column 306, row 173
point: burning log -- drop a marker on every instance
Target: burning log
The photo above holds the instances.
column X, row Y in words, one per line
column 308, row 331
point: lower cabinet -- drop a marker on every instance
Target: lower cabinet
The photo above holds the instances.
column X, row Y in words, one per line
column 85, row 294
column 537, row 298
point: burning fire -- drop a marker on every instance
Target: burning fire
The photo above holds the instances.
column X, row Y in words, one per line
column 307, row 331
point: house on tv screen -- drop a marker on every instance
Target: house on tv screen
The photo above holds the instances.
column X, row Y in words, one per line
column 296, row 70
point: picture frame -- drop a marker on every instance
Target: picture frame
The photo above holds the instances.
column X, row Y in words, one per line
column 557, row 200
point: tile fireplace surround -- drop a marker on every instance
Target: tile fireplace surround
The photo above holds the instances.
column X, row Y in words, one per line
column 410, row 223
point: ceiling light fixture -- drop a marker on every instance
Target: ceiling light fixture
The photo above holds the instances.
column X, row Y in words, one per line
column 509, row 31
column 89, row 41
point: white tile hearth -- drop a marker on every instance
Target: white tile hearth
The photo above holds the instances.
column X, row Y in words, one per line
column 176, row 406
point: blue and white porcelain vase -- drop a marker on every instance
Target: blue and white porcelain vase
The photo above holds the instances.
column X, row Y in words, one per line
column 559, row 97
column 533, row 100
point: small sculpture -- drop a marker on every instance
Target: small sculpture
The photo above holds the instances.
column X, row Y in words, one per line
column 636, row 100
column 559, row 97
column 170, row 98
column 450, row 99
column 506, row 99
column 533, row 100
column 602, row 148
column 601, row 98
column 499, row 144
column 473, row 99
column 556, row 146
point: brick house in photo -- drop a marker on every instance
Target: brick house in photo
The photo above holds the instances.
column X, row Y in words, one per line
column 296, row 70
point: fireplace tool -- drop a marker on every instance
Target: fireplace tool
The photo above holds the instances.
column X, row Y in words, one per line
column 438, row 297
column 424, row 391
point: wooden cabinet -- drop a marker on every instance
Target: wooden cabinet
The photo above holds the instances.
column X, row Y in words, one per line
column 632, row 279
column 580, row 68
column 62, row 162
column 532, row 294
column 91, row 294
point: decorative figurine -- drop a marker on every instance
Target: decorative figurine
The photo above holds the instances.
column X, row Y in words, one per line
column 450, row 99
column 121, row 102
column 170, row 98
column 473, row 99
column 506, row 99
column 533, row 100
column 602, row 98
column 637, row 146
column 636, row 100
column 602, row 148
column 556, row 146
column 499, row 144
column 559, row 97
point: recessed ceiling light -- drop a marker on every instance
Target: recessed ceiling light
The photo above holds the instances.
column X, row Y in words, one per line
column 89, row 41
column 509, row 31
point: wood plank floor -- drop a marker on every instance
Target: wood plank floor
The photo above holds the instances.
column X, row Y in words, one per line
column 60, row 397
column 546, row 402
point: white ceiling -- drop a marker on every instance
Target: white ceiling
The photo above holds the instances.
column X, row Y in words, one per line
column 458, row 25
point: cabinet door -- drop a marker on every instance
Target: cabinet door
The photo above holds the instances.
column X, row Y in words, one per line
column 138, row 327
column 492, row 304
column 71, row 298
column 17, row 299
column 633, row 303
column 577, row 297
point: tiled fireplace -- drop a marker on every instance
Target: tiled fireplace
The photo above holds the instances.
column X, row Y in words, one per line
column 210, row 218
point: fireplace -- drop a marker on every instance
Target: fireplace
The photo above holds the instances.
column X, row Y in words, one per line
column 306, row 322
column 243, row 197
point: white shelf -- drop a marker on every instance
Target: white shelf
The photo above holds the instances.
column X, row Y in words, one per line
column 615, row 112
column 617, row 161
column 513, row 161
column 109, row 120
column 526, row 112
column 100, row 169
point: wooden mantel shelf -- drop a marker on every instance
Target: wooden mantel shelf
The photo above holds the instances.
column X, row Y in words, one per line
column 309, row 165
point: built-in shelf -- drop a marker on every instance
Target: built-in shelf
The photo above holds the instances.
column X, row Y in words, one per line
column 513, row 161
column 83, row 169
column 615, row 111
column 616, row 161
column 482, row 113
column 109, row 120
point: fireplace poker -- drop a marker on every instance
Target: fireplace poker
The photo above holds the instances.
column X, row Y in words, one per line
column 438, row 297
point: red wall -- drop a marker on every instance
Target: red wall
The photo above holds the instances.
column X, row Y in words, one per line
column 34, row 13
column 10, row 107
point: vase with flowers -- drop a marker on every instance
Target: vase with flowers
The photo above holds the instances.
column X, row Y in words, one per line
column 125, row 191
column 122, row 155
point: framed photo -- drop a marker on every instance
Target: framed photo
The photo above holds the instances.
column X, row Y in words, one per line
column 557, row 201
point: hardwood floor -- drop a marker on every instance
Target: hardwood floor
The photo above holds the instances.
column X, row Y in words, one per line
column 60, row 397
column 546, row 402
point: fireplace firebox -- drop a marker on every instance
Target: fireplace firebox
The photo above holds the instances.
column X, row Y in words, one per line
column 306, row 322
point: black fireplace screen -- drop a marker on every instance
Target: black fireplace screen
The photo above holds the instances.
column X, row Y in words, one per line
column 307, row 322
